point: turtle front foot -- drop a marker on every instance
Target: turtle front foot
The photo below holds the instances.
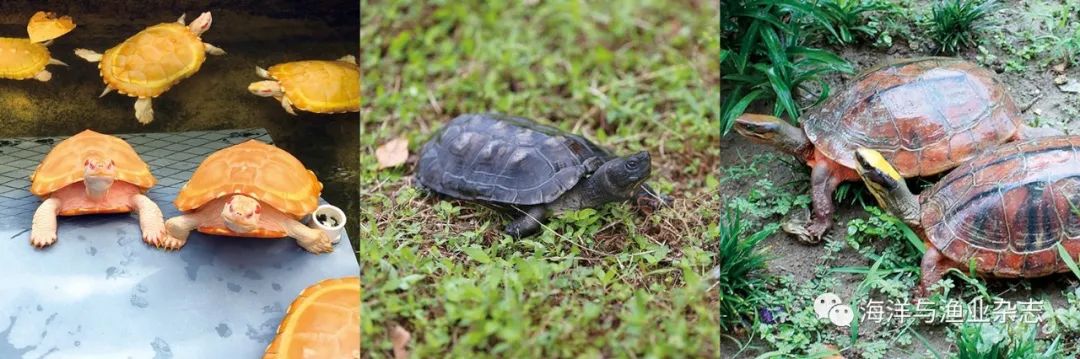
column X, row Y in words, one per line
column 42, row 239
column 155, row 238
column 321, row 244
column 168, row 242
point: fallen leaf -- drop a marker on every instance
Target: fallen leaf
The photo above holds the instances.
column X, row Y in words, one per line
column 400, row 337
column 392, row 153
column 1059, row 68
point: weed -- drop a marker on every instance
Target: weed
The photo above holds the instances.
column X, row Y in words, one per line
column 764, row 56
column 984, row 340
column 849, row 17
column 955, row 24
column 742, row 268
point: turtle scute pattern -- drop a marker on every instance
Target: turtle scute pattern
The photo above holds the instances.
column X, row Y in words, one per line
column 322, row 322
column 21, row 59
column 320, row 86
column 924, row 116
column 152, row 61
column 504, row 159
column 1009, row 208
column 65, row 163
column 255, row 169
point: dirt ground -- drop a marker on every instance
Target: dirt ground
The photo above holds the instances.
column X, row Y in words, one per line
column 1033, row 90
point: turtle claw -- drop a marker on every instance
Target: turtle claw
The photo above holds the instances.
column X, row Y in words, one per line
column 42, row 240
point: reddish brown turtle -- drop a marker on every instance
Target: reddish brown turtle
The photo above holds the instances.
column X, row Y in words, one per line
column 925, row 115
column 1004, row 212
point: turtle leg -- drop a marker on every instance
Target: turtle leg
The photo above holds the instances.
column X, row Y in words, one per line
column 822, row 186
column 43, row 227
column 53, row 61
column 177, row 230
column 181, row 19
column 88, row 55
column 528, row 223
column 934, row 266
column 262, row 73
column 348, row 58
column 311, row 239
column 43, row 76
column 150, row 220
column 213, row 50
column 648, row 200
column 287, row 105
column 144, row 112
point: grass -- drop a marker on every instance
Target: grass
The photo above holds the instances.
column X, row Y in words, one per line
column 988, row 341
column 609, row 282
column 742, row 270
column 955, row 25
column 765, row 57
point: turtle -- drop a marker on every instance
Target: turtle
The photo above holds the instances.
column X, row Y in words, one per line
column 323, row 322
column 314, row 86
column 1003, row 213
column 528, row 169
column 925, row 115
column 92, row 173
column 153, row 60
column 22, row 59
column 251, row 189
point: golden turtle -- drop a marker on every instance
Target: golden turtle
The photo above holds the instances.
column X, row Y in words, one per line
column 313, row 86
column 227, row 193
column 153, row 60
column 322, row 323
column 91, row 173
column 22, row 59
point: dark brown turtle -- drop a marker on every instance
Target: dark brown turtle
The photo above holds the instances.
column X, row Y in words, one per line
column 531, row 169
column 925, row 115
column 1005, row 210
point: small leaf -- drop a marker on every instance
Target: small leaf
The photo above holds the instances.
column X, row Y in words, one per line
column 477, row 254
column 393, row 153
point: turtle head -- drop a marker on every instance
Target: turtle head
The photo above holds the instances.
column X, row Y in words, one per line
column 773, row 131
column 623, row 176
column 241, row 214
column 267, row 88
column 98, row 176
column 887, row 185
column 201, row 24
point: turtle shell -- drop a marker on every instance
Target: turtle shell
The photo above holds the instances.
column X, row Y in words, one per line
column 152, row 61
column 323, row 322
column 257, row 170
column 64, row 164
column 505, row 159
column 1007, row 209
column 924, row 115
column 320, row 86
column 21, row 59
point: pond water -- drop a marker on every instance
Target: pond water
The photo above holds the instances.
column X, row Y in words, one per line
column 252, row 33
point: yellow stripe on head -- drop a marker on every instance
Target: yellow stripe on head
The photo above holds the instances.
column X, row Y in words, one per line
column 874, row 159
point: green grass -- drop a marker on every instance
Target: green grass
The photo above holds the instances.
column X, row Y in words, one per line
column 630, row 75
column 955, row 25
column 765, row 56
column 988, row 341
column 742, row 270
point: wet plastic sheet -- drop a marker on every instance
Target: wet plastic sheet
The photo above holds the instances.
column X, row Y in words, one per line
column 100, row 292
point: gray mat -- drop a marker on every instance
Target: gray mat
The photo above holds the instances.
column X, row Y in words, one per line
column 100, row 292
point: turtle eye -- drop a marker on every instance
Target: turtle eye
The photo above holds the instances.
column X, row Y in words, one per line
column 631, row 164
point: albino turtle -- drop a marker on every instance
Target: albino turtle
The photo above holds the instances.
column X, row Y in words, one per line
column 149, row 63
column 249, row 190
column 322, row 323
column 92, row 173
column 313, row 86
column 22, row 59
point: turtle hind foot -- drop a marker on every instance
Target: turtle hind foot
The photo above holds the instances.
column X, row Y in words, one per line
column 797, row 226
column 527, row 224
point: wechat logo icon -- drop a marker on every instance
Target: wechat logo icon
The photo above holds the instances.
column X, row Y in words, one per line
column 828, row 305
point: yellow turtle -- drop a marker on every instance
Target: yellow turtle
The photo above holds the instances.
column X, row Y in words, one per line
column 152, row 61
column 322, row 323
column 314, row 86
column 21, row 59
